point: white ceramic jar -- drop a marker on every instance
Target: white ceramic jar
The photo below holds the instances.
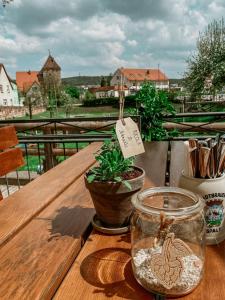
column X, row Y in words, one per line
column 213, row 193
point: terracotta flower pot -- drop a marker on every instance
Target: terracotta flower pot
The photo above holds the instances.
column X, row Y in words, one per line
column 112, row 200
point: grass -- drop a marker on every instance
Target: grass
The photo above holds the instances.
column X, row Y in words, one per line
column 78, row 111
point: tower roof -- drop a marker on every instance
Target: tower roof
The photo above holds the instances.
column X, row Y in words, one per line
column 50, row 64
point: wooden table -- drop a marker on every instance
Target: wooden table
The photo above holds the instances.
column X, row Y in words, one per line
column 49, row 250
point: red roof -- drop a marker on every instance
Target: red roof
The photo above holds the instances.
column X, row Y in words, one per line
column 144, row 74
column 50, row 64
column 25, row 80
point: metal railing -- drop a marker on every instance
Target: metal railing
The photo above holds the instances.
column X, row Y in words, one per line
column 199, row 125
column 47, row 142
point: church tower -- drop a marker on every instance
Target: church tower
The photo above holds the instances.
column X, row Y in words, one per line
column 50, row 77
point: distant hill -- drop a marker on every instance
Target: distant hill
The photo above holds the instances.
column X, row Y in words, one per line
column 83, row 80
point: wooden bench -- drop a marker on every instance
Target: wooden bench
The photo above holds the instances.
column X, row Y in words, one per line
column 44, row 253
column 11, row 158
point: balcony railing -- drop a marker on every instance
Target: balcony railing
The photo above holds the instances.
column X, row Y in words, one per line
column 45, row 143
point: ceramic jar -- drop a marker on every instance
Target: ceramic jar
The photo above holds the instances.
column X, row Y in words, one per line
column 168, row 240
column 213, row 193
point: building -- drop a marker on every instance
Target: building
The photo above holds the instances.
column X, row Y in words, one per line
column 27, row 83
column 50, row 78
column 108, row 91
column 8, row 89
column 133, row 78
column 25, row 80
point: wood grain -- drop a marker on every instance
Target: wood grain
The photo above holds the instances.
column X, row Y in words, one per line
column 102, row 271
column 10, row 160
column 212, row 285
column 154, row 162
column 26, row 203
column 8, row 137
column 34, row 262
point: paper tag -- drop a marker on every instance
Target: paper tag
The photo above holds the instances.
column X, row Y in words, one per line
column 129, row 138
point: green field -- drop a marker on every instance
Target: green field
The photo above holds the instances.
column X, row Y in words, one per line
column 78, row 111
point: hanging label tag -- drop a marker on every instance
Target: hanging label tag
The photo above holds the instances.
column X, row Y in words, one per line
column 129, row 138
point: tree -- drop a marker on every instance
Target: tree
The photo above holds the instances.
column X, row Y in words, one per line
column 206, row 68
column 5, row 2
column 72, row 91
column 32, row 98
column 68, row 102
column 103, row 81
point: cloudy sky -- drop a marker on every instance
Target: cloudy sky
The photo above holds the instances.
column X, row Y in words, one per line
column 94, row 37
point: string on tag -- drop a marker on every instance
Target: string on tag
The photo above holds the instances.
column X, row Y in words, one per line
column 164, row 228
column 122, row 100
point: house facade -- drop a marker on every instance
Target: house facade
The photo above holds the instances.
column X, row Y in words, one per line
column 8, row 89
column 134, row 78
column 108, row 91
column 27, row 83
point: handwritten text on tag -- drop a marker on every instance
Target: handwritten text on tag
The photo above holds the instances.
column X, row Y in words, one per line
column 129, row 138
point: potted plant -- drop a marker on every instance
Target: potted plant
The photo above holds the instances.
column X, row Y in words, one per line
column 152, row 106
column 112, row 184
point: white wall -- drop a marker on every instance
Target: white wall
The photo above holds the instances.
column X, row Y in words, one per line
column 16, row 100
column 6, row 91
column 135, row 85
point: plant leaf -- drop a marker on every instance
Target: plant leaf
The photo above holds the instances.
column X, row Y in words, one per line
column 127, row 184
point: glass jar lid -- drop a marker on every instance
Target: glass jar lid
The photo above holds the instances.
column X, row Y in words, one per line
column 170, row 200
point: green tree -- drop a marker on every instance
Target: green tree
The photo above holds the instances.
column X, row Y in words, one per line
column 68, row 102
column 88, row 96
column 103, row 81
column 152, row 106
column 72, row 91
column 206, row 68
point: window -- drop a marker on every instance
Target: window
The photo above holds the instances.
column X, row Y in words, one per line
column 8, row 90
column 1, row 88
column 34, row 89
column 5, row 102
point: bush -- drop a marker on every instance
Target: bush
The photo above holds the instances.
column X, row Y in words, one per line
column 130, row 101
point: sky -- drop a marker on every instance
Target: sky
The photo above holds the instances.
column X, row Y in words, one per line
column 95, row 37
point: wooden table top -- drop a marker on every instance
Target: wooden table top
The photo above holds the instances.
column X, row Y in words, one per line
column 48, row 249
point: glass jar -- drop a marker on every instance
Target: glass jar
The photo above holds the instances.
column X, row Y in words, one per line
column 168, row 240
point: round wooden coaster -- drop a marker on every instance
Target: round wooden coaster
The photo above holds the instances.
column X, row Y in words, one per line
column 96, row 223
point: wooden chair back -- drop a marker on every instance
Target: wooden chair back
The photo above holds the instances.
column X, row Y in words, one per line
column 11, row 158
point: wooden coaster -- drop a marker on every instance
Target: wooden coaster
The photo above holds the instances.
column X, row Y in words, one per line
column 96, row 223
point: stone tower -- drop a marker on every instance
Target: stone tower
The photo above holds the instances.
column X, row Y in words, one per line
column 50, row 78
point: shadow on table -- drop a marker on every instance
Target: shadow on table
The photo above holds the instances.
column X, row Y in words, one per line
column 72, row 222
column 110, row 271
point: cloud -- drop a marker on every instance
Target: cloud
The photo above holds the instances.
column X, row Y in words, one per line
column 98, row 36
column 132, row 43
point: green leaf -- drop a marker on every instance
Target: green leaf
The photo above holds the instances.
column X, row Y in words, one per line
column 118, row 179
column 127, row 184
column 91, row 178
